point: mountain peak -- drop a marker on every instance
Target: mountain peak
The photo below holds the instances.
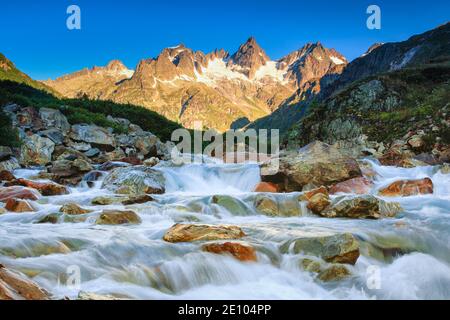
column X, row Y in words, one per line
column 250, row 57
column 116, row 65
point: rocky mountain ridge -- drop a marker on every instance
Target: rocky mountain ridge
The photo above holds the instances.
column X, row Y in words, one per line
column 216, row 88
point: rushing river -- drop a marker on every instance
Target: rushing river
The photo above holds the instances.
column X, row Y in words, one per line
column 410, row 253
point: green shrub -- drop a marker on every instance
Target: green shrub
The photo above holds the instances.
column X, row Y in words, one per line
column 8, row 136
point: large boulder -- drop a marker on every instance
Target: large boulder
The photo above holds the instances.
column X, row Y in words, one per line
column 200, row 232
column 335, row 248
column 73, row 209
column 231, row 204
column 53, row 118
column 406, row 188
column 15, row 286
column 266, row 187
column 276, row 205
column 240, row 251
column 317, row 164
column 94, row 135
column 10, row 165
column 135, row 180
column 36, row 150
column 362, row 207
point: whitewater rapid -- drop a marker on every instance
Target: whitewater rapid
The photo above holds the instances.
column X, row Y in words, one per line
column 134, row 262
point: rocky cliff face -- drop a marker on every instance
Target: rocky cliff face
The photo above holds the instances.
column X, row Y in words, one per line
column 215, row 88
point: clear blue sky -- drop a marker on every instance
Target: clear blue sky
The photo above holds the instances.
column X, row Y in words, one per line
column 34, row 34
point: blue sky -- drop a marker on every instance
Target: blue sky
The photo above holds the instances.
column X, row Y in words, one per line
column 34, row 34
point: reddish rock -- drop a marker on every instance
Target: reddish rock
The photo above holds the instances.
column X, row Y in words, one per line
column 14, row 286
column 18, row 193
column 17, row 205
column 309, row 194
column 237, row 250
column 357, row 185
column 318, row 202
column 405, row 188
column 132, row 160
column 46, row 189
column 6, row 176
column 266, row 187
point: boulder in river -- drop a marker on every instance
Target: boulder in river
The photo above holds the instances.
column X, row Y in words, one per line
column 318, row 203
column 18, row 192
column 135, row 180
column 240, row 251
column 45, row 188
column 317, row 163
column 202, row 232
column 231, row 204
column 15, row 286
column 18, row 205
column 361, row 207
column 406, row 188
column 113, row 217
column 36, row 150
column 335, row 272
column 360, row 185
column 10, row 164
column 336, row 248
column 6, row 176
column 142, row 198
column 73, row 209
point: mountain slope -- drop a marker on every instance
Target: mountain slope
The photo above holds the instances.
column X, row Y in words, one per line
column 215, row 88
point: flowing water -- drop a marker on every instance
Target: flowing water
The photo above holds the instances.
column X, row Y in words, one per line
column 407, row 257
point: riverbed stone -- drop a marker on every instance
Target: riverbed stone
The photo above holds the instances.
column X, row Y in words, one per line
column 18, row 192
column 16, row 286
column 362, row 207
column 45, row 188
column 18, row 205
column 335, row 248
column 335, row 272
column 266, row 187
column 6, row 176
column 202, row 232
column 36, row 150
column 317, row 163
column 10, row 165
column 114, row 217
column 240, row 251
column 360, row 185
column 231, row 204
column 73, row 209
column 406, row 188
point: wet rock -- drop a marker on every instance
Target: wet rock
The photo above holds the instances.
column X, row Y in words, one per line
column 336, row 272
column 318, row 203
column 199, row 232
column 445, row 169
column 45, row 188
column 92, row 176
column 104, row 201
column 317, row 163
column 151, row 162
column 6, row 176
column 135, row 180
column 10, row 164
column 132, row 160
column 307, row 195
column 18, row 192
column 310, row 265
column 138, row 199
column 337, row 248
column 242, row 252
column 52, row 218
column 53, row 118
column 15, row 286
column 398, row 155
column 36, row 150
column 115, row 217
column 360, row 185
column 362, row 207
column 231, row 204
column 2, row 210
column 266, row 205
column 17, row 205
column 98, row 136
column 73, row 209
column 266, row 187
column 406, row 188
column 82, row 295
